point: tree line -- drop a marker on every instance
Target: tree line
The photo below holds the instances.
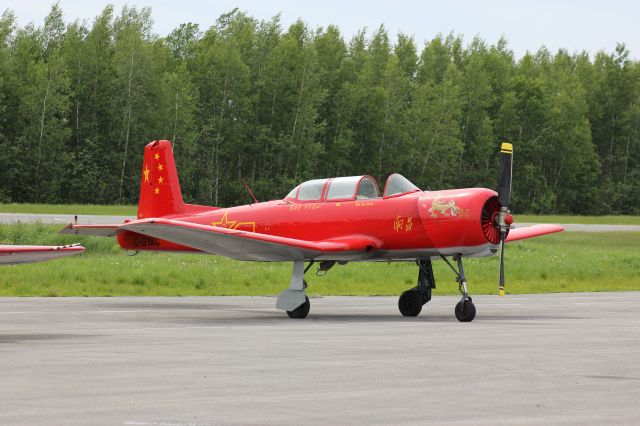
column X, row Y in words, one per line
column 248, row 99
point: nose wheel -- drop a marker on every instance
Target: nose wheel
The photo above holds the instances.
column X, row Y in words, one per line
column 465, row 310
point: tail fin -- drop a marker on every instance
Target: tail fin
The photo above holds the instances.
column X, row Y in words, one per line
column 160, row 193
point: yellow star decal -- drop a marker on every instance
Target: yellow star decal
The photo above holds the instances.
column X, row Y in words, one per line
column 224, row 223
column 160, row 167
column 160, row 180
column 157, row 156
column 146, row 173
column 156, row 191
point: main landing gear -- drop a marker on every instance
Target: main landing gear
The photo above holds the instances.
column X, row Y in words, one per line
column 296, row 303
column 411, row 301
column 293, row 300
column 301, row 311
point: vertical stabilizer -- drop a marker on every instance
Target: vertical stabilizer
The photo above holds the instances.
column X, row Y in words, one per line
column 160, row 193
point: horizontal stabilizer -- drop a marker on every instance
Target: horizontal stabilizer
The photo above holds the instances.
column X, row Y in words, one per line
column 94, row 230
column 532, row 231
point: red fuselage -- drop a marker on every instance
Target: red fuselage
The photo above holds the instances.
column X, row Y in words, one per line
column 417, row 224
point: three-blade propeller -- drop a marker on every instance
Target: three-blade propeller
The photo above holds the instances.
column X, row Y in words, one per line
column 504, row 218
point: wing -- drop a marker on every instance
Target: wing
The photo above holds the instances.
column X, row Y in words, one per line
column 10, row 255
column 516, row 234
column 244, row 245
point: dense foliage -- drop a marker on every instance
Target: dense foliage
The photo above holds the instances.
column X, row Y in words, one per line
column 247, row 99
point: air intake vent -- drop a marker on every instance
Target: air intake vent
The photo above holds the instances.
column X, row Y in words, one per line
column 489, row 212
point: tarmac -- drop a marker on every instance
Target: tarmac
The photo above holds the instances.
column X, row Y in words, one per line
column 526, row 359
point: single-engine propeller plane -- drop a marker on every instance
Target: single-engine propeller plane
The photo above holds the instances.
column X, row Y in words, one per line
column 329, row 221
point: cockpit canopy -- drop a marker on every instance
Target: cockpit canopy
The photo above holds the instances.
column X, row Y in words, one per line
column 349, row 188
column 398, row 185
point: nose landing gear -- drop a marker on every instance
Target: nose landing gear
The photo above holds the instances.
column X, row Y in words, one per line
column 465, row 309
column 411, row 301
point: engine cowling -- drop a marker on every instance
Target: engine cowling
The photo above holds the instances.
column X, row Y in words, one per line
column 461, row 220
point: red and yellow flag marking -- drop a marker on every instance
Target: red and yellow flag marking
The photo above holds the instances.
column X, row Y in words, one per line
column 224, row 222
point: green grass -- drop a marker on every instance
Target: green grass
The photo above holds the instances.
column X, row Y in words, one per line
column 69, row 209
column 589, row 220
column 564, row 262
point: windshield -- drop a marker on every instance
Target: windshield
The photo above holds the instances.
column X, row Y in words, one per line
column 397, row 185
column 293, row 192
column 367, row 189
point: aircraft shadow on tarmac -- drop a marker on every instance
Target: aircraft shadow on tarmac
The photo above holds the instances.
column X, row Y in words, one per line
column 167, row 306
column 239, row 314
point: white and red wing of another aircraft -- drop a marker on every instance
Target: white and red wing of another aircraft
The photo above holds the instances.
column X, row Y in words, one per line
column 11, row 255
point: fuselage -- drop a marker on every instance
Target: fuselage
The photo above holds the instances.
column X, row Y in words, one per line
column 417, row 224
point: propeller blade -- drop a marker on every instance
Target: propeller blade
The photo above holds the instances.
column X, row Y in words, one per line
column 501, row 279
column 504, row 187
column 504, row 196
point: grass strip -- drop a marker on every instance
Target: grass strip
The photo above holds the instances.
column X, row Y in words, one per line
column 71, row 209
column 565, row 262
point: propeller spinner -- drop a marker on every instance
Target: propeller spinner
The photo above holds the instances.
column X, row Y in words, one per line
column 504, row 219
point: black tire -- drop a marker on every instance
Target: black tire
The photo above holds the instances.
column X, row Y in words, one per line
column 465, row 312
column 410, row 303
column 301, row 311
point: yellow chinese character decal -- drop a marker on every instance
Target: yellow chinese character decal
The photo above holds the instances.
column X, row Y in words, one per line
column 398, row 223
column 409, row 225
column 403, row 223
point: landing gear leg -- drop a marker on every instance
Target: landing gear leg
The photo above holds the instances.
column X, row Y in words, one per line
column 465, row 309
column 411, row 301
column 293, row 300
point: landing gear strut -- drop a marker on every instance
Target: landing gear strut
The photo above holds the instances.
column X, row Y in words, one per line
column 465, row 309
column 293, row 300
column 411, row 301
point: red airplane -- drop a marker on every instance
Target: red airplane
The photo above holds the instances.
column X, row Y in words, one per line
column 328, row 221
column 11, row 255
